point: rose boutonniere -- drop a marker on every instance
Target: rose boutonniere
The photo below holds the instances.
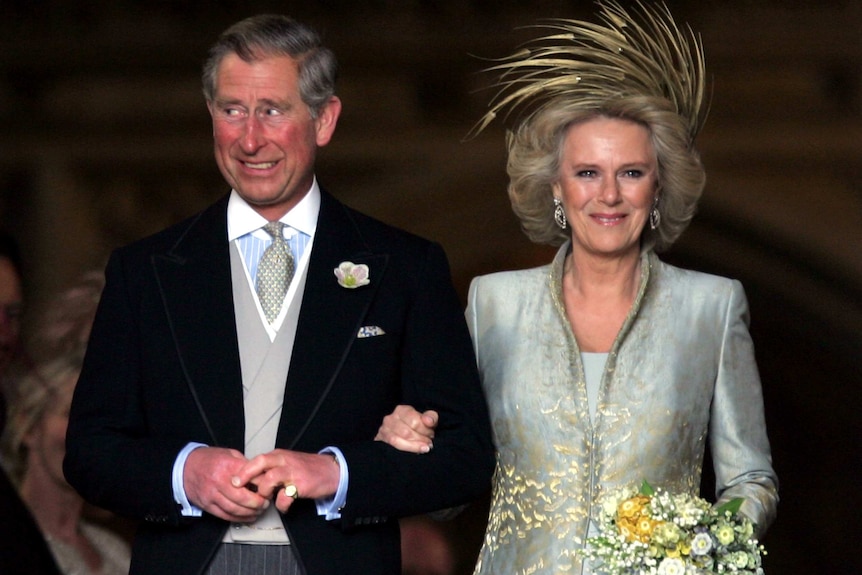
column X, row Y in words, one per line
column 352, row 276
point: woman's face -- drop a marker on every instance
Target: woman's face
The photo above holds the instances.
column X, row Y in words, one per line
column 607, row 184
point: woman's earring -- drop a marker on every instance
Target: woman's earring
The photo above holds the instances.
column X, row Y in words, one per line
column 654, row 215
column 559, row 213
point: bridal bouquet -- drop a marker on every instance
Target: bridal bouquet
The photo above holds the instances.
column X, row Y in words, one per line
column 653, row 532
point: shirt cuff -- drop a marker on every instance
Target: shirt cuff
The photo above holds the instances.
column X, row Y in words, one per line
column 330, row 507
column 186, row 508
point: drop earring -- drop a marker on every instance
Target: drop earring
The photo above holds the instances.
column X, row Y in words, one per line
column 559, row 213
column 654, row 215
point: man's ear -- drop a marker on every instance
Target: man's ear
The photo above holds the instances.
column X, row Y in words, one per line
column 327, row 118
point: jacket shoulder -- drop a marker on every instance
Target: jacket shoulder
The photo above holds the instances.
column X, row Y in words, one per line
column 523, row 279
column 691, row 279
column 686, row 285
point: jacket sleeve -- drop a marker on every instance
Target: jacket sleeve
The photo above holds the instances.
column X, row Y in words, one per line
column 739, row 444
column 437, row 371
column 111, row 458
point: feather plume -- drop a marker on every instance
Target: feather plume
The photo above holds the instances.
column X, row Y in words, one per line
column 637, row 53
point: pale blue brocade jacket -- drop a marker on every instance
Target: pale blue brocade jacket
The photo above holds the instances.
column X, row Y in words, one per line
column 681, row 372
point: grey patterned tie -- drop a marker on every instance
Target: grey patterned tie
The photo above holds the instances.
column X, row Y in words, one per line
column 274, row 272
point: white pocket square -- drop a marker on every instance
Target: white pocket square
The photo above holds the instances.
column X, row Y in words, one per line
column 370, row 331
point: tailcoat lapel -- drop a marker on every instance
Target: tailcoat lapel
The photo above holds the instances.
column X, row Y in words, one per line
column 329, row 319
column 195, row 286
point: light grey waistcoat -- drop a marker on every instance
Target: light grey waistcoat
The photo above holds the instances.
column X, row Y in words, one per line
column 264, row 374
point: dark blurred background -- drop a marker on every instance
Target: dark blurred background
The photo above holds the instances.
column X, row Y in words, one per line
column 105, row 138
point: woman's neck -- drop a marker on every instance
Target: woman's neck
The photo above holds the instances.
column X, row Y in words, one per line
column 55, row 506
column 57, row 509
column 598, row 295
column 592, row 277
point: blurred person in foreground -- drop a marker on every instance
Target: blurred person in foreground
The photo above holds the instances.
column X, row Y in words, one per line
column 11, row 300
column 606, row 367
column 425, row 547
column 242, row 361
column 22, row 548
column 34, row 442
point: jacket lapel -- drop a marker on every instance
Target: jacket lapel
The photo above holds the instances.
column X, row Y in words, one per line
column 329, row 319
column 195, row 285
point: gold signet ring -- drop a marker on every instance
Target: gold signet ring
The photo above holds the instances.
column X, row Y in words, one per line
column 291, row 491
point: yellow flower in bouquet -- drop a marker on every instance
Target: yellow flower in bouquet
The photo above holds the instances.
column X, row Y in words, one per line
column 633, row 519
column 633, row 507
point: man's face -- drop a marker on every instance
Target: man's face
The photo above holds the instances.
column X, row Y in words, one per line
column 265, row 138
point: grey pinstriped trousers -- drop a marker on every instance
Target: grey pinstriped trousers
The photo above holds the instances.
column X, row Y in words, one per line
column 237, row 559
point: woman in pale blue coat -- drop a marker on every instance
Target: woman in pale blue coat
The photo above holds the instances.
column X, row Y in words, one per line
column 608, row 367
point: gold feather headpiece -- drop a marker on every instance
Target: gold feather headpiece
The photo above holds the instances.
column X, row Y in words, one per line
column 621, row 57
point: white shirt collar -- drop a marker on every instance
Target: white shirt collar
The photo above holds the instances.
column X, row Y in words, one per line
column 242, row 219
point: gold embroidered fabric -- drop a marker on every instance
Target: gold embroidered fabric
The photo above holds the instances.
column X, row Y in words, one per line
column 683, row 361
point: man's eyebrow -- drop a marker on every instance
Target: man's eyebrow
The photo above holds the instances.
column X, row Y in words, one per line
column 284, row 105
column 226, row 101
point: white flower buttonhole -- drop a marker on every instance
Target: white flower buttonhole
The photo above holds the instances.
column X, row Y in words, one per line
column 352, row 276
